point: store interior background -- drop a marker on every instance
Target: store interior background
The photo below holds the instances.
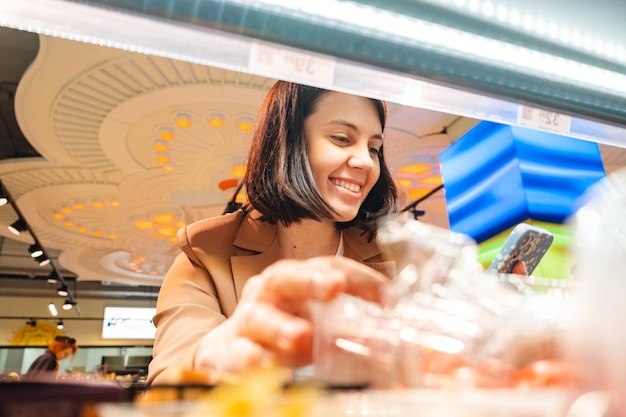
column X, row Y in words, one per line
column 80, row 123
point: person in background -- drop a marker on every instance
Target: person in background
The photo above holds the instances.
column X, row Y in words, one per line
column 317, row 185
column 47, row 363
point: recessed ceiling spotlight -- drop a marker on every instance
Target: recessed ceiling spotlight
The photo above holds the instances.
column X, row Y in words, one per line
column 164, row 218
column 166, row 133
column 182, row 120
column 245, row 124
column 216, row 120
column 163, row 157
column 144, row 224
column 239, row 171
column 160, row 145
column 404, row 182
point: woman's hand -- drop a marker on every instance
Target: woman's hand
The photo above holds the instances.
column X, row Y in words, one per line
column 519, row 268
column 271, row 322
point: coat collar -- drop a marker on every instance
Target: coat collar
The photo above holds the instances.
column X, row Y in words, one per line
column 260, row 237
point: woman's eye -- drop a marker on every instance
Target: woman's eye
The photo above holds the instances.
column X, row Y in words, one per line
column 341, row 139
column 375, row 151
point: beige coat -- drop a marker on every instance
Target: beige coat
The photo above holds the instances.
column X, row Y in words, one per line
column 203, row 285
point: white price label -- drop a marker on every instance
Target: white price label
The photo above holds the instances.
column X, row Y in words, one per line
column 291, row 65
column 544, row 119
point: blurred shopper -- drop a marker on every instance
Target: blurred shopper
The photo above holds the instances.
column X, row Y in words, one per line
column 48, row 363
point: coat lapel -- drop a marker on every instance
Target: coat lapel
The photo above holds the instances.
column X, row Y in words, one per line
column 244, row 267
column 258, row 238
column 358, row 248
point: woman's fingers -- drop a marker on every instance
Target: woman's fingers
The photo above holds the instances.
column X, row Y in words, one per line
column 288, row 336
column 319, row 279
column 270, row 312
column 519, row 268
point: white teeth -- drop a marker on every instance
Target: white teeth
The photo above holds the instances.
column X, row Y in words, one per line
column 355, row 188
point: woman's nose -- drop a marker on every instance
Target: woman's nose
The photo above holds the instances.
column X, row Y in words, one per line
column 361, row 158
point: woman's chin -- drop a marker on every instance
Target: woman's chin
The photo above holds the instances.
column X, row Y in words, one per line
column 345, row 217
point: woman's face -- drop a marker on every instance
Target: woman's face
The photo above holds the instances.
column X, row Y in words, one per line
column 64, row 353
column 343, row 139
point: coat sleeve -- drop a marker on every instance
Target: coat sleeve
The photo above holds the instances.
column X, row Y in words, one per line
column 187, row 308
column 189, row 304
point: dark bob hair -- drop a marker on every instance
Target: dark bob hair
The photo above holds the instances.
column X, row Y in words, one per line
column 279, row 182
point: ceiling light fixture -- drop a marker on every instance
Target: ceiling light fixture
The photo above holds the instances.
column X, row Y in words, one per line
column 216, row 120
column 18, row 227
column 38, row 253
column 53, row 278
column 166, row 134
column 163, row 157
column 245, row 124
column 3, row 198
column 67, row 305
column 182, row 120
column 239, row 171
column 53, row 309
column 160, row 145
column 43, row 260
column 35, row 250
column 32, row 323
column 62, row 290
column 60, row 325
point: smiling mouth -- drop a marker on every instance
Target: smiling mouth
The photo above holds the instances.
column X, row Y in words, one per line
column 355, row 188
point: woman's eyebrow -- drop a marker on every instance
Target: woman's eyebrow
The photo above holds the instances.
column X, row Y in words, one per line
column 352, row 126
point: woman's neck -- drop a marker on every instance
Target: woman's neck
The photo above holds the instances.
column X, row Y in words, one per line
column 307, row 239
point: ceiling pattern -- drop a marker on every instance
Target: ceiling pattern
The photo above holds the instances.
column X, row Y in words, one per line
column 111, row 189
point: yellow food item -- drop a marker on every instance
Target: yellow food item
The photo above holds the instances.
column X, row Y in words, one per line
column 259, row 393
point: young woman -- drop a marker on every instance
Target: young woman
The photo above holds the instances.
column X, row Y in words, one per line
column 317, row 185
column 47, row 364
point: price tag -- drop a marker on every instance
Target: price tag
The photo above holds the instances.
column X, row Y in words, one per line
column 291, row 65
column 544, row 119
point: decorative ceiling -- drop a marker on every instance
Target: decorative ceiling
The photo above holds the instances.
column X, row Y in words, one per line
column 135, row 146
column 107, row 152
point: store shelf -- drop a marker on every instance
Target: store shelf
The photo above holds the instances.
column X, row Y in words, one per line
column 397, row 55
